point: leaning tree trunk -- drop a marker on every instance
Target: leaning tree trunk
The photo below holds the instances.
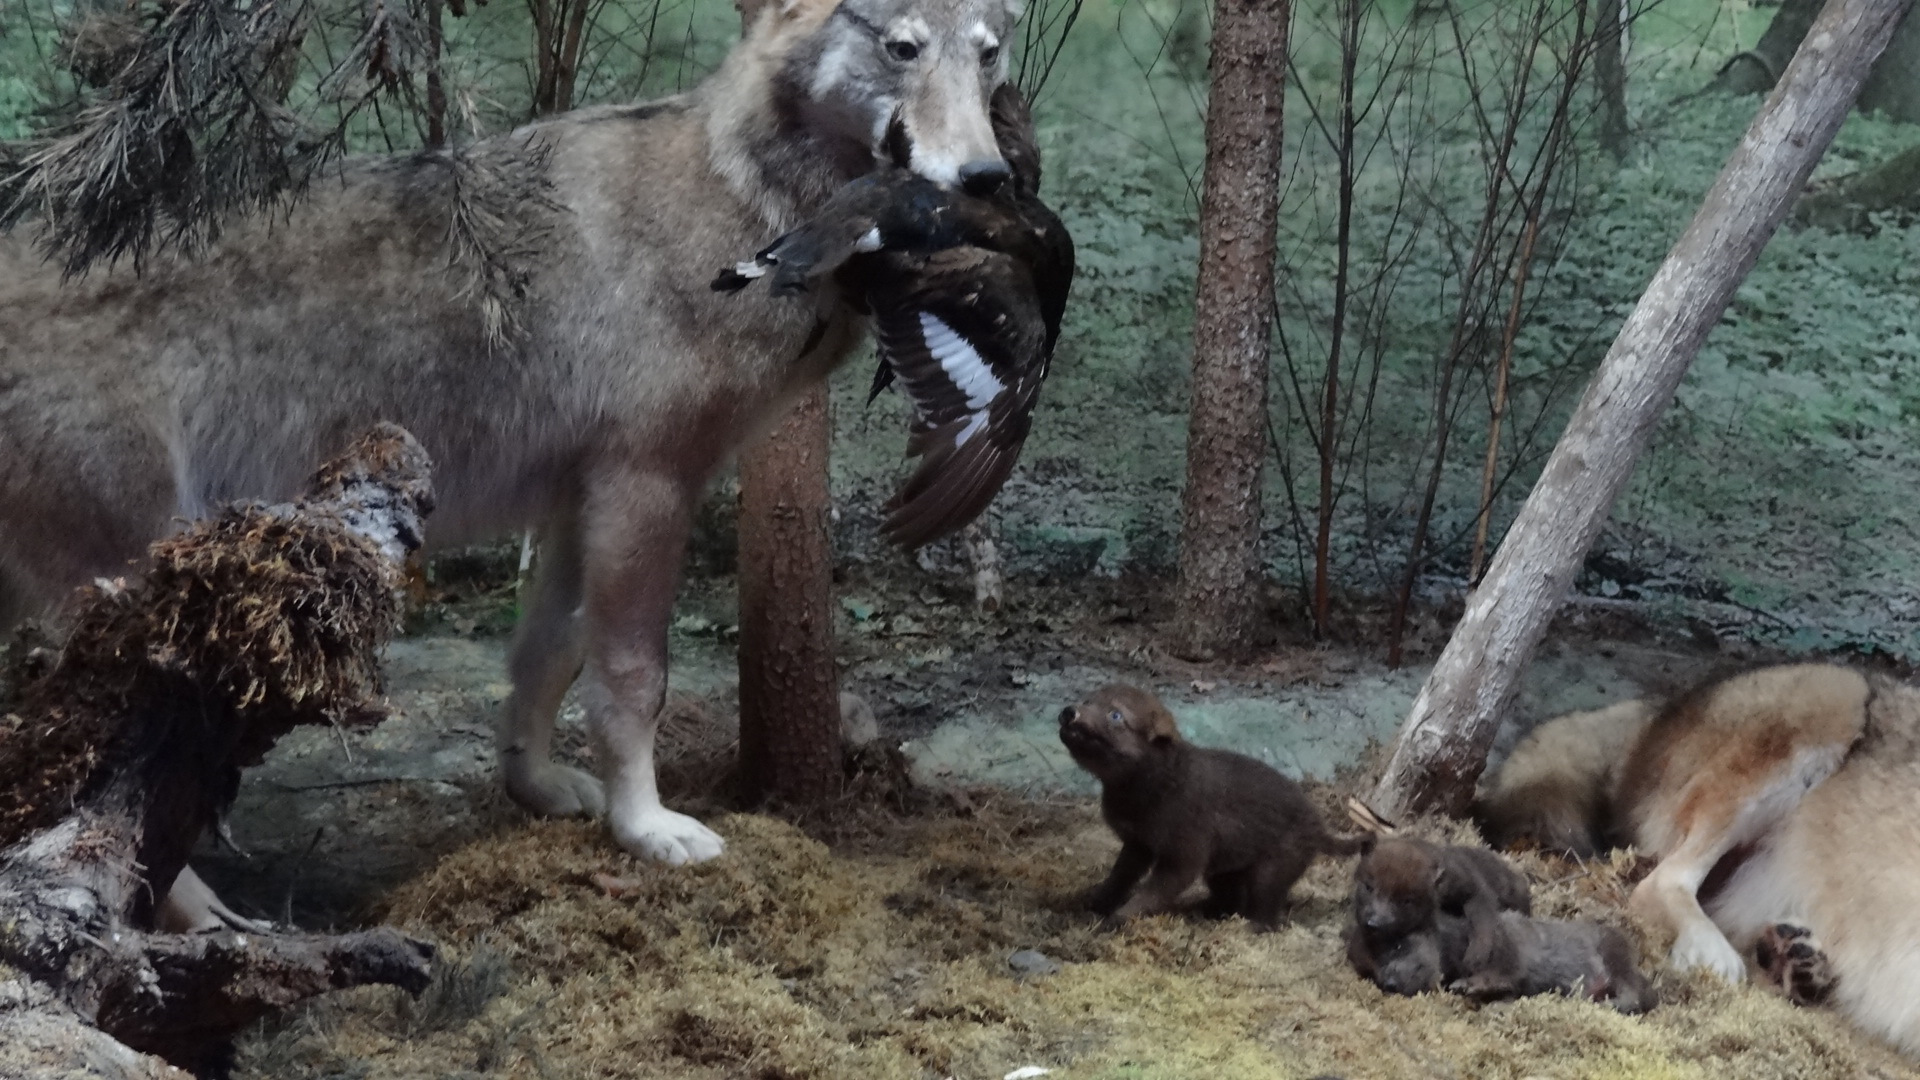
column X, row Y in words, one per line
column 789, row 706
column 1892, row 88
column 120, row 756
column 1219, row 586
column 1443, row 746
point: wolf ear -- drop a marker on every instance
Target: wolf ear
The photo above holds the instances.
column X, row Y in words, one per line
column 750, row 10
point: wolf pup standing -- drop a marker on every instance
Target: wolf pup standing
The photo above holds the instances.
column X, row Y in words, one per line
column 1783, row 805
column 128, row 402
column 1184, row 813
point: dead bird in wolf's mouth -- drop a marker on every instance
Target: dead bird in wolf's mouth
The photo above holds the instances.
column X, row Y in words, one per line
column 966, row 290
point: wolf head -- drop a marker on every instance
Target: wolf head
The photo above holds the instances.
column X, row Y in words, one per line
column 906, row 78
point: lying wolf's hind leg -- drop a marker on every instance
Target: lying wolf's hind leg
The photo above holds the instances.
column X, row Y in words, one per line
column 635, row 530
column 1793, row 959
column 1720, row 812
column 547, row 649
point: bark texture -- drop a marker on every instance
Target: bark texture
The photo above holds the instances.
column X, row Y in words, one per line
column 1443, row 745
column 1610, row 77
column 1893, row 87
column 789, row 699
column 1219, row 587
column 122, row 754
column 1893, row 185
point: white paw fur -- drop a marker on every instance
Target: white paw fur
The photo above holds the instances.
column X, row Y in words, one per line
column 553, row 790
column 1701, row 945
column 661, row 835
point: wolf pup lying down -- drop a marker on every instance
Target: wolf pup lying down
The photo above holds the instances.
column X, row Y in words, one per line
column 966, row 294
column 1783, row 805
column 1431, row 916
column 1184, row 813
column 129, row 401
column 1405, row 889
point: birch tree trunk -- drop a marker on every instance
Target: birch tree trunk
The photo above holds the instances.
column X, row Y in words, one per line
column 1219, row 587
column 1443, row 746
column 789, row 702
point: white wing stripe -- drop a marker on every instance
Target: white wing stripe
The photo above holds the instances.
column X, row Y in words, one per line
column 974, row 424
column 960, row 361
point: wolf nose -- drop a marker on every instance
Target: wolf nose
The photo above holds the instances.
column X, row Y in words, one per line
column 984, row 177
column 1066, row 716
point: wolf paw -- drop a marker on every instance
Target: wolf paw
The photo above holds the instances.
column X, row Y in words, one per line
column 1791, row 957
column 659, row 834
column 1702, row 946
column 550, row 790
column 191, row 907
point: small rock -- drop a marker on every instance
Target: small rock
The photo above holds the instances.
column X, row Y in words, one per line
column 858, row 727
column 1031, row 963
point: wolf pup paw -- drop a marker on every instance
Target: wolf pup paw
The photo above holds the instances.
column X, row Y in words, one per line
column 1792, row 958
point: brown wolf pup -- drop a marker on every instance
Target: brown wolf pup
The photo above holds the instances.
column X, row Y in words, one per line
column 1184, row 813
column 1405, row 888
column 1542, row 956
column 1783, row 805
column 128, row 402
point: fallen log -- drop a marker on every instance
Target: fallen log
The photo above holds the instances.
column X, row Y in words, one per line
column 129, row 744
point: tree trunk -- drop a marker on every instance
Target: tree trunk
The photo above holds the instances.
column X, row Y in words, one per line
column 121, row 755
column 1443, row 746
column 1892, row 88
column 789, row 704
column 1894, row 184
column 1756, row 70
column 436, row 85
column 1220, row 576
column 1610, row 77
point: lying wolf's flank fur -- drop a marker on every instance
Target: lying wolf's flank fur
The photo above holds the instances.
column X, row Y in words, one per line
column 129, row 402
column 1556, row 789
column 1785, row 794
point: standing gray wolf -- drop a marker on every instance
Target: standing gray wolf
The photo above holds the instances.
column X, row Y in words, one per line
column 1783, row 805
column 1184, row 813
column 127, row 402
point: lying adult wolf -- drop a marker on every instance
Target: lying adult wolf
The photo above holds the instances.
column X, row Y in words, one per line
column 1783, row 805
column 128, row 402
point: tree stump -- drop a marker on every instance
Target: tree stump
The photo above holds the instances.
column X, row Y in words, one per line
column 131, row 744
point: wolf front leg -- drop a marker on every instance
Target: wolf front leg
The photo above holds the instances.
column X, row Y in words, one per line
column 548, row 648
column 634, row 528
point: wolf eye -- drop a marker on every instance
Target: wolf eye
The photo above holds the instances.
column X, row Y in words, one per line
column 990, row 56
column 1116, row 718
column 902, row 51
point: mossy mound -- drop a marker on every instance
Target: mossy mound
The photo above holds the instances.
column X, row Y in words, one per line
column 887, row 956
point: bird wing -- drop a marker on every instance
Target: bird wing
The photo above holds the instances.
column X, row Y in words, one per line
column 963, row 332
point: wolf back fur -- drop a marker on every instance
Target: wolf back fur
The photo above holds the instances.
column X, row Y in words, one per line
column 1786, row 794
column 128, row 402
